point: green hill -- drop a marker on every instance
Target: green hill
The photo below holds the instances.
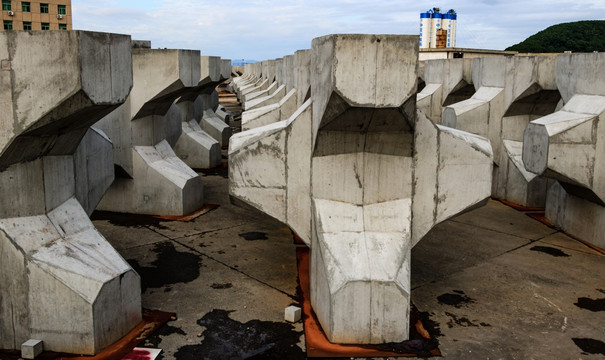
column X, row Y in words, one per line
column 580, row 36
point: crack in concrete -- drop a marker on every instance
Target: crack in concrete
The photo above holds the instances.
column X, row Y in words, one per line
column 293, row 297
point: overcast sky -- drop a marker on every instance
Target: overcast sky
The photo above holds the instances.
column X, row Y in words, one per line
column 261, row 29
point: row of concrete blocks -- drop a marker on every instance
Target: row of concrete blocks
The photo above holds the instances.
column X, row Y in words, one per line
column 60, row 281
column 542, row 115
column 498, row 98
column 355, row 171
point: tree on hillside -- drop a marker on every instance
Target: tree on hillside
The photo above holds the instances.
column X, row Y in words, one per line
column 580, row 36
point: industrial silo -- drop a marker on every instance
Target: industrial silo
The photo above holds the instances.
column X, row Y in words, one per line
column 449, row 23
column 425, row 28
column 435, row 25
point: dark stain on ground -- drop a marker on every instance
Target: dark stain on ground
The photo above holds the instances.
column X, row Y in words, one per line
column 225, row 338
column 601, row 291
column 417, row 345
column 594, row 305
column 221, row 286
column 170, row 267
column 460, row 321
column 590, row 346
column 455, row 300
column 129, row 220
column 154, row 340
column 254, row 235
column 550, row 251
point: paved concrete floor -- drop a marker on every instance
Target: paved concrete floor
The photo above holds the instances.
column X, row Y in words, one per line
column 494, row 284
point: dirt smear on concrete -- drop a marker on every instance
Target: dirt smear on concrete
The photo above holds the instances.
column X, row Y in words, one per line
column 456, row 300
column 170, row 267
column 225, row 338
column 254, row 235
column 550, row 251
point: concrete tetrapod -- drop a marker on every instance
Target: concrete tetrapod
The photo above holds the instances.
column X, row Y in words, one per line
column 345, row 174
column 511, row 91
column 153, row 180
column 210, row 122
column 569, row 146
column 196, row 147
column 296, row 74
column 447, row 82
column 60, row 281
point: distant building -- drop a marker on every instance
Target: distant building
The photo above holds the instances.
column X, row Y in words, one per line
column 454, row 53
column 36, row 15
column 438, row 30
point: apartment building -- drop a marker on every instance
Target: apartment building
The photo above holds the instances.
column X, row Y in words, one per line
column 36, row 15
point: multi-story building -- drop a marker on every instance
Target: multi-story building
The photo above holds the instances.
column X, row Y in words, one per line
column 36, row 15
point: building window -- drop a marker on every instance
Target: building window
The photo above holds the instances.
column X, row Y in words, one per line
column 62, row 26
column 26, row 6
column 43, row 8
column 8, row 24
column 61, row 10
column 6, row 4
column 45, row 26
column 27, row 25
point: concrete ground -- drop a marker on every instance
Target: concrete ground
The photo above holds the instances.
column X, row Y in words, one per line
column 493, row 284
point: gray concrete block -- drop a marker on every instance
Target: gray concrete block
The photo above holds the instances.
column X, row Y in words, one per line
column 32, row 348
column 51, row 286
column 144, row 130
column 293, row 314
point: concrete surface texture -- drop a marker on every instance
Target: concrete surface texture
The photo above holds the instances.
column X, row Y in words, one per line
column 260, row 101
column 510, row 92
column 491, row 283
column 289, row 72
column 569, row 146
column 259, row 94
column 143, row 131
column 303, row 76
column 344, row 181
column 60, row 280
column 269, row 114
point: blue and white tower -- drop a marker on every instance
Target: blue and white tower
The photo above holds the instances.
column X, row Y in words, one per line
column 433, row 20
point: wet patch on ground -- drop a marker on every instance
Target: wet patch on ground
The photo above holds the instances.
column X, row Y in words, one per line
column 254, row 235
column 594, row 305
column 129, row 220
column 170, row 267
column 221, row 286
column 550, row 251
column 456, row 300
column 463, row 321
column 590, row 346
column 155, row 340
column 459, row 321
column 225, row 338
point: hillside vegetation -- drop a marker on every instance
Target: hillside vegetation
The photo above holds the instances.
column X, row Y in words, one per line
column 580, row 36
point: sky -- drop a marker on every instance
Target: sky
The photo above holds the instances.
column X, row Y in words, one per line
column 262, row 29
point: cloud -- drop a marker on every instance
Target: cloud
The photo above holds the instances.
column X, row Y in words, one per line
column 262, row 29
